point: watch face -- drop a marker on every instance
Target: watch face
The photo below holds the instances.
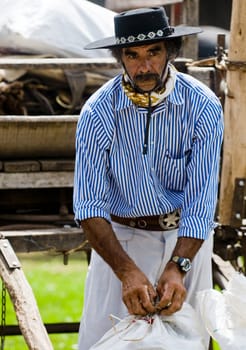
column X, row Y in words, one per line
column 185, row 264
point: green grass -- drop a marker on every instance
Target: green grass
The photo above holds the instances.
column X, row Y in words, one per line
column 58, row 290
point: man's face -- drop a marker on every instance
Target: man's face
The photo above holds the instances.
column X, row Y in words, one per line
column 145, row 64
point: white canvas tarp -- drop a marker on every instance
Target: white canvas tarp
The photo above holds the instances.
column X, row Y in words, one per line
column 56, row 27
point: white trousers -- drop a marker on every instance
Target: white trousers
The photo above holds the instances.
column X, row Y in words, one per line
column 150, row 250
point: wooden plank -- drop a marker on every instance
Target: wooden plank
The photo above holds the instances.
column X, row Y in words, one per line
column 190, row 17
column 41, row 232
column 32, row 137
column 36, row 180
column 21, row 166
column 57, row 165
column 89, row 64
column 22, row 119
column 30, row 218
column 65, row 240
column 25, row 306
column 238, row 215
column 234, row 148
column 204, row 74
column 27, row 166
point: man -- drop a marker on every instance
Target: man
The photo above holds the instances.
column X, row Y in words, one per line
column 147, row 157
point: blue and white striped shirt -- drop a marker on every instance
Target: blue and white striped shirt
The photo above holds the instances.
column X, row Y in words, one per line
column 180, row 169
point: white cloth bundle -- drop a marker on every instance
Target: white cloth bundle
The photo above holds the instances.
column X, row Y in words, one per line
column 224, row 313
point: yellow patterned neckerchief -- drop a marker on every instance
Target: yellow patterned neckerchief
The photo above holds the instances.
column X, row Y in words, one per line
column 142, row 99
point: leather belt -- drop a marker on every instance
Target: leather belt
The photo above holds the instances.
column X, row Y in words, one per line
column 163, row 222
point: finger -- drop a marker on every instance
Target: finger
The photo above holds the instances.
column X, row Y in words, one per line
column 147, row 304
column 172, row 308
column 135, row 306
column 174, row 305
column 147, row 299
column 141, row 309
column 166, row 300
column 129, row 306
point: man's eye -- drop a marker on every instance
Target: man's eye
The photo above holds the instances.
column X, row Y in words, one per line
column 153, row 53
column 131, row 56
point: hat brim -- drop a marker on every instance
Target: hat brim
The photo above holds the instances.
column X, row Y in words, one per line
column 110, row 42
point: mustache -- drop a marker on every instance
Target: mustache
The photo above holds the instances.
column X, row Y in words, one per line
column 146, row 77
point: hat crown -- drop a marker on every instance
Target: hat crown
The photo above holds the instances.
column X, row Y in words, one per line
column 142, row 26
column 142, row 21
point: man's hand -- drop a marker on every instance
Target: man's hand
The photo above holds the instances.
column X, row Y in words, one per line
column 171, row 290
column 138, row 293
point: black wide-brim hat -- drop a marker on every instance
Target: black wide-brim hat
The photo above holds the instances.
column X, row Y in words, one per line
column 141, row 26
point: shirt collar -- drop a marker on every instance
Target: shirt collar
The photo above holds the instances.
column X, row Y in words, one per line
column 174, row 97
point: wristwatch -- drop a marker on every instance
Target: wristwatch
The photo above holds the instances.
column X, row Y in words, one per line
column 184, row 264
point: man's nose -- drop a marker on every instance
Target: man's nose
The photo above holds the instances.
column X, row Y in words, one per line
column 144, row 66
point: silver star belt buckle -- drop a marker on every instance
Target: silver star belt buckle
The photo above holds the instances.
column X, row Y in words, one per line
column 170, row 221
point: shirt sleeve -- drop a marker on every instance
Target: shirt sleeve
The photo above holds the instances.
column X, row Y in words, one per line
column 200, row 195
column 90, row 177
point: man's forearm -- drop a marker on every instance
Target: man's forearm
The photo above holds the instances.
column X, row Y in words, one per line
column 187, row 247
column 104, row 241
